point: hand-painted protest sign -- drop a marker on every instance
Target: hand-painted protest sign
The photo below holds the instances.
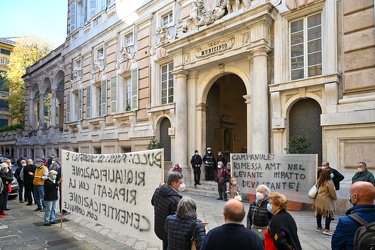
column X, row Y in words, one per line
column 114, row 190
column 292, row 175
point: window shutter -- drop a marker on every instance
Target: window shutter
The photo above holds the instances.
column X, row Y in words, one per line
column 73, row 17
column 134, row 76
column 68, row 107
column 114, row 92
column 88, row 102
column 103, row 101
column 79, row 113
column 103, row 4
column 92, row 8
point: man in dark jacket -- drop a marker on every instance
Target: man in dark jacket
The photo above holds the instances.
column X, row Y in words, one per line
column 209, row 164
column 337, row 176
column 6, row 181
column 196, row 163
column 165, row 201
column 362, row 195
column 28, row 178
column 363, row 174
column 232, row 234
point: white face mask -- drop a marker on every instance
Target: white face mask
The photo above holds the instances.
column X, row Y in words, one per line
column 259, row 196
column 218, row 166
column 182, row 187
column 23, row 165
column 359, row 170
column 323, row 167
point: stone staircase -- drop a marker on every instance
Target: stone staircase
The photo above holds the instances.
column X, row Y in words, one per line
column 208, row 188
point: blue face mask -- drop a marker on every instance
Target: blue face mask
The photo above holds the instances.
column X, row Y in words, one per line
column 269, row 208
column 331, row 175
column 54, row 177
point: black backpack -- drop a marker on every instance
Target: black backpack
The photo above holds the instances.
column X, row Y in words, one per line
column 364, row 238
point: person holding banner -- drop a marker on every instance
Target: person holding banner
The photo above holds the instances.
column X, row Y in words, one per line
column 165, row 201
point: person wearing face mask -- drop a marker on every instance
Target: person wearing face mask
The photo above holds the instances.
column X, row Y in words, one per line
column 363, row 174
column 221, row 179
column 196, row 163
column 55, row 165
column 258, row 216
column 165, row 200
column 40, row 175
column 209, row 164
column 17, row 174
column 6, row 180
column 337, row 177
column 362, row 196
column 282, row 230
column 50, row 197
column 323, row 203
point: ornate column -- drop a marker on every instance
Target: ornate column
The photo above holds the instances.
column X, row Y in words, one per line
column 53, row 108
column 41, row 110
column 248, row 121
column 181, row 120
column 32, row 114
column 259, row 97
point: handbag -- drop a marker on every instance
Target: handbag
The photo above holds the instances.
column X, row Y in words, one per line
column 313, row 192
column 259, row 231
column 9, row 188
column 190, row 238
column 238, row 197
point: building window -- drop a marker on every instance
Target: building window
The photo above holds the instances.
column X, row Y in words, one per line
column 129, row 39
column 306, row 47
column 166, row 83
column 167, row 19
column 102, row 98
column 68, row 119
column 99, row 58
column 114, row 91
column 95, row 6
column 4, row 105
column 88, row 102
column 3, row 122
column 127, row 94
column 5, row 51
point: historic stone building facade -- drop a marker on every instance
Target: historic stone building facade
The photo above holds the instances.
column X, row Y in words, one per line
column 195, row 73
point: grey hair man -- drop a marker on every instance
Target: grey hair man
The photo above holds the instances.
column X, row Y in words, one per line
column 233, row 234
column 363, row 174
column 165, row 200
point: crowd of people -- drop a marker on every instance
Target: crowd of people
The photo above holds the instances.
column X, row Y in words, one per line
column 269, row 225
column 39, row 184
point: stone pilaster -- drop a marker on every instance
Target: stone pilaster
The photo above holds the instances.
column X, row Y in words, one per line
column 259, row 97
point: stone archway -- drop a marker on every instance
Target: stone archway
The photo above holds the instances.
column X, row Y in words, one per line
column 304, row 118
column 226, row 127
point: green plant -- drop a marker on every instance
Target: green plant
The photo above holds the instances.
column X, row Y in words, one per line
column 13, row 127
column 128, row 108
column 299, row 144
column 154, row 144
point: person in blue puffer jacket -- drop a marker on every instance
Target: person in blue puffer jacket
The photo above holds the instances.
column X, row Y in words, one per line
column 362, row 196
column 183, row 227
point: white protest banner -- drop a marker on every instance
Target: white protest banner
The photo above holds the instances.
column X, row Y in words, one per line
column 290, row 174
column 114, row 190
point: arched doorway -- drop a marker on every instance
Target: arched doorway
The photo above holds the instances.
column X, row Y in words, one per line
column 165, row 139
column 304, row 118
column 226, row 115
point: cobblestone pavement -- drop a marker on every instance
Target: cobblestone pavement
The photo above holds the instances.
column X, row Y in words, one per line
column 23, row 229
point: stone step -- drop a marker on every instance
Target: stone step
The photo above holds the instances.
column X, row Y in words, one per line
column 208, row 188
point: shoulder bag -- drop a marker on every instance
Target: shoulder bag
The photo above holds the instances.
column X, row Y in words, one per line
column 190, row 238
column 258, row 230
column 313, row 191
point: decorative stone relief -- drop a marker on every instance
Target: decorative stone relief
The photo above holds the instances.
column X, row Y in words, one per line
column 181, row 28
column 127, row 55
column 234, row 5
column 77, row 75
column 245, row 38
column 99, row 64
column 162, row 32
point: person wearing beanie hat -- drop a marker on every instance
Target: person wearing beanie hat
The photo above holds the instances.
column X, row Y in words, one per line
column 50, row 197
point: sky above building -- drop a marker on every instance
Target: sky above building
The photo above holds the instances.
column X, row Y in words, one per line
column 45, row 19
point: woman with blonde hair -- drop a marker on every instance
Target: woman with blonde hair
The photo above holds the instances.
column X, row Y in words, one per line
column 323, row 203
column 282, row 230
